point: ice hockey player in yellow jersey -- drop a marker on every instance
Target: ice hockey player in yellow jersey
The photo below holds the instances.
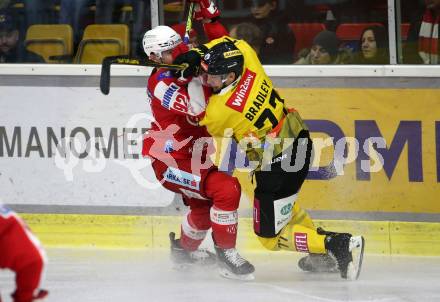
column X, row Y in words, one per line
column 245, row 105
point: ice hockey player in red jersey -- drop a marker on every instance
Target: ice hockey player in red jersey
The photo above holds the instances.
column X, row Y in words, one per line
column 180, row 152
column 21, row 252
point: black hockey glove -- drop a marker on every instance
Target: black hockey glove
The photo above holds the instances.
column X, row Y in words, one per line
column 193, row 59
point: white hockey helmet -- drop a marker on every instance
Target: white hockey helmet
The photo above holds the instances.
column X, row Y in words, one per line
column 159, row 39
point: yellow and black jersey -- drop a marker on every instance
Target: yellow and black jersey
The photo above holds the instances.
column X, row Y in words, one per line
column 249, row 106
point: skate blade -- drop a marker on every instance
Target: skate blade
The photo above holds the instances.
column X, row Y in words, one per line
column 357, row 245
column 325, row 265
column 229, row 275
column 320, row 265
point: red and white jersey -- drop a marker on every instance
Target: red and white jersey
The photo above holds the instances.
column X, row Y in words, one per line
column 176, row 109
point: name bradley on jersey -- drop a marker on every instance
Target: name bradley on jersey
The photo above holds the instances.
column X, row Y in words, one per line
column 259, row 100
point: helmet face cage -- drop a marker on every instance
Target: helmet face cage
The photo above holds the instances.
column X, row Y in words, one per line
column 160, row 39
column 221, row 77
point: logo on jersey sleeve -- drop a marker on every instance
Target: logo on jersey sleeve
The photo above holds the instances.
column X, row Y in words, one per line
column 165, row 75
column 238, row 99
column 170, row 97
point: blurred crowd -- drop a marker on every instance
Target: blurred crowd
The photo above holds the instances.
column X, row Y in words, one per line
column 281, row 31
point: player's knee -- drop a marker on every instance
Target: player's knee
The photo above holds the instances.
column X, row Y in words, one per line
column 234, row 191
column 203, row 224
column 200, row 218
column 225, row 191
column 230, row 195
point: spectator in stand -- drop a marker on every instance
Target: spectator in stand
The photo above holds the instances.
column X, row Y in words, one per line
column 37, row 11
column 373, row 46
column 141, row 18
column 325, row 50
column 411, row 10
column 73, row 11
column 422, row 46
column 298, row 12
column 250, row 33
column 278, row 40
column 12, row 48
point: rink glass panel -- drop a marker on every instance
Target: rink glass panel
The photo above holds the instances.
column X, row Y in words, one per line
column 329, row 13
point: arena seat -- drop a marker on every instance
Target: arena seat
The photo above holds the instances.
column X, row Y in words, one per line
column 304, row 34
column 50, row 40
column 102, row 40
column 352, row 31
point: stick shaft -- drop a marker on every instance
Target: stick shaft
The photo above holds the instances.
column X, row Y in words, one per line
column 104, row 84
column 188, row 23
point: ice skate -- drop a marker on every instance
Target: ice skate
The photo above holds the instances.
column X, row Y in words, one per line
column 318, row 263
column 348, row 252
column 183, row 259
column 233, row 266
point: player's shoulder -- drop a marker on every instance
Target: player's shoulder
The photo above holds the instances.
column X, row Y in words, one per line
column 160, row 81
column 163, row 74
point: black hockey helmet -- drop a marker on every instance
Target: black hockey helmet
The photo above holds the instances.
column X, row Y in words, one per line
column 223, row 58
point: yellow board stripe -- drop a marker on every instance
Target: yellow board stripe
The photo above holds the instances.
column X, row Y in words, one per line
column 120, row 231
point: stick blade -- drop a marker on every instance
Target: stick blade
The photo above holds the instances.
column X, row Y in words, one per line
column 107, row 62
column 104, row 83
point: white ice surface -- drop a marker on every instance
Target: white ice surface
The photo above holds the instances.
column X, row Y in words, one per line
column 80, row 275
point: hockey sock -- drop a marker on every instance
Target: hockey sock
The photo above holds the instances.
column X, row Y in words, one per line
column 191, row 237
column 224, row 227
column 299, row 238
column 298, row 235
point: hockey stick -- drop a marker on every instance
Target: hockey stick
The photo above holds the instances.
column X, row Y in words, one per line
column 188, row 23
column 107, row 62
column 104, row 84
